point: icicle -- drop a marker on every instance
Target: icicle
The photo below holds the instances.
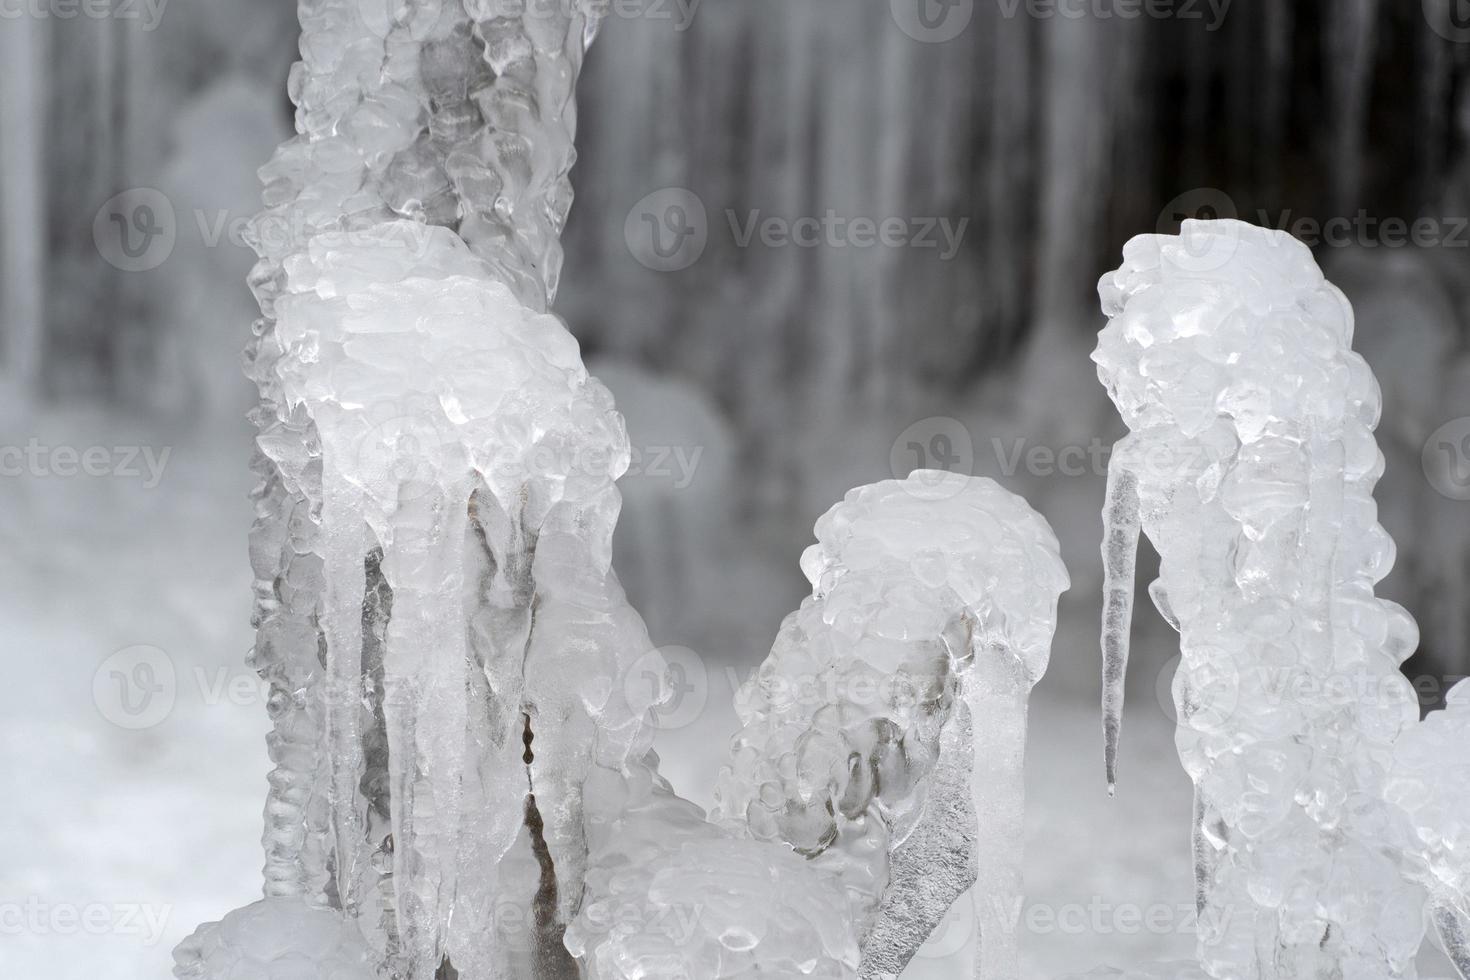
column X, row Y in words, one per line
column 1120, row 558
column 996, row 691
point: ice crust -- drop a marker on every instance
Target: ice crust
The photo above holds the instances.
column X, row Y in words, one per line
column 438, row 618
column 1430, row 780
column 1250, row 465
column 934, row 601
column 277, row 939
column 463, row 443
column 674, row 896
column 435, row 610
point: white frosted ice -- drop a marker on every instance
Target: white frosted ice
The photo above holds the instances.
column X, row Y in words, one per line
column 436, row 612
column 673, row 896
column 932, row 610
column 882, row 748
column 465, row 448
column 277, row 939
column 1430, row 780
column 1250, row 465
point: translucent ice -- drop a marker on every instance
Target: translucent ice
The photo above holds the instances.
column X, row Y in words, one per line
column 879, row 768
column 1430, row 780
column 1250, row 465
column 932, row 610
column 435, row 610
column 277, row 939
column 464, row 448
column 674, row 897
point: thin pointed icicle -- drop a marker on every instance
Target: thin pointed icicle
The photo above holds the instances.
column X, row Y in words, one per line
column 1120, row 559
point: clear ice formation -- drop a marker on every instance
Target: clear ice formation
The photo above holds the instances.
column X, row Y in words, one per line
column 1430, row 780
column 880, row 759
column 442, row 630
column 277, row 939
column 673, row 896
column 1250, row 465
column 435, row 609
column 477, row 651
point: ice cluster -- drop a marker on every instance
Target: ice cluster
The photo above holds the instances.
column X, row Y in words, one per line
column 673, row 896
column 437, row 615
column 277, row 939
column 464, row 448
column 856, row 790
column 933, row 605
column 1430, row 780
column 435, row 610
column 1250, row 465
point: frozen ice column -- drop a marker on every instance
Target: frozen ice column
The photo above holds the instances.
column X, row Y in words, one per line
column 464, row 447
column 1250, row 464
column 1430, row 781
column 454, row 115
column 449, row 113
column 884, row 735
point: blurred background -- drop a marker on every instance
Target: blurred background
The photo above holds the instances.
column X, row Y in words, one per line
column 816, row 243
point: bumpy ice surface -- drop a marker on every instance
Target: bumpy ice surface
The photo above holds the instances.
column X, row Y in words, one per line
column 1250, row 464
column 277, row 939
column 857, row 774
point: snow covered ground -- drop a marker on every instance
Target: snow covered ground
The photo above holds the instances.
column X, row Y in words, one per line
column 131, row 734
